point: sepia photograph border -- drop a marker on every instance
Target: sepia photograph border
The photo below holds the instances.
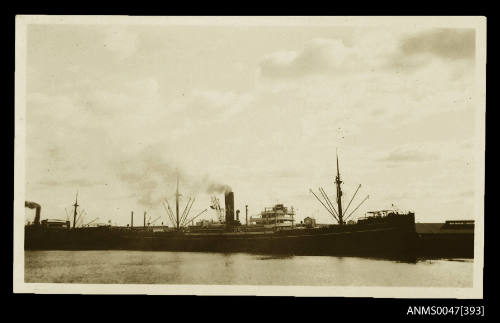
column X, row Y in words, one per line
column 474, row 292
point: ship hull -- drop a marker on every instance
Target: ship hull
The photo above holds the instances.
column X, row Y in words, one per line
column 382, row 240
column 376, row 242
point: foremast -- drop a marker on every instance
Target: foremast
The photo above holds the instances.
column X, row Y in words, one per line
column 177, row 222
column 339, row 193
column 75, row 210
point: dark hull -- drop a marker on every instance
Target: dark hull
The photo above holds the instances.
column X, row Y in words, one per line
column 394, row 238
column 353, row 240
column 375, row 242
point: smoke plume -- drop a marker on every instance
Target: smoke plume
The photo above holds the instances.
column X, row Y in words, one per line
column 151, row 177
column 217, row 188
column 31, row 205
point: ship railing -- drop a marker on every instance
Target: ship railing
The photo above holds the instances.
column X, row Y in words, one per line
column 272, row 218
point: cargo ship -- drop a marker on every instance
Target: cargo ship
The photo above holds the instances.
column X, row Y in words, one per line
column 387, row 233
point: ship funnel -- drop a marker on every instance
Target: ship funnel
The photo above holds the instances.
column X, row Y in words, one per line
column 33, row 205
column 229, row 199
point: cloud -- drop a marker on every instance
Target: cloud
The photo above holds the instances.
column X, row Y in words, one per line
column 332, row 57
column 76, row 182
column 445, row 43
column 147, row 174
column 316, row 57
column 406, row 155
column 322, row 56
column 209, row 112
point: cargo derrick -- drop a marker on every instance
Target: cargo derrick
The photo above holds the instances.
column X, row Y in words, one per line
column 180, row 220
column 338, row 214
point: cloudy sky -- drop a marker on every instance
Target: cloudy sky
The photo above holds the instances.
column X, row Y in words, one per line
column 115, row 111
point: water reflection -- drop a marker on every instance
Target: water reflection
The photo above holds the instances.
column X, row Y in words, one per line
column 144, row 267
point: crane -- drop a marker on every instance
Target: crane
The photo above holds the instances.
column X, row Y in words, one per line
column 218, row 210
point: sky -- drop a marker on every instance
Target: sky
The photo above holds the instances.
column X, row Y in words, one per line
column 115, row 112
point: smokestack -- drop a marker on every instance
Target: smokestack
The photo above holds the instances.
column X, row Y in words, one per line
column 229, row 199
column 33, row 205
column 237, row 215
column 132, row 219
column 144, row 219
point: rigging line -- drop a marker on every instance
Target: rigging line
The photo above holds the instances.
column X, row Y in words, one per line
column 152, row 222
column 78, row 221
column 168, row 213
column 170, row 210
column 79, row 217
column 326, row 207
column 366, row 198
column 183, row 222
column 359, row 186
column 182, row 219
column 328, row 201
column 171, row 215
column 323, row 204
column 192, row 219
column 89, row 223
column 189, row 210
column 184, row 211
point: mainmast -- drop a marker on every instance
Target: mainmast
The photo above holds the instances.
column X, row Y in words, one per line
column 338, row 214
column 177, row 203
column 74, row 212
column 339, row 193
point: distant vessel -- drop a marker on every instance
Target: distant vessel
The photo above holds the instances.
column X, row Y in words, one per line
column 381, row 233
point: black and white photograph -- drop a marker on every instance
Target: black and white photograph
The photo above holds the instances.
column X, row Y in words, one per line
column 286, row 156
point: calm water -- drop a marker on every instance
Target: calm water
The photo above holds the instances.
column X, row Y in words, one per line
column 156, row 267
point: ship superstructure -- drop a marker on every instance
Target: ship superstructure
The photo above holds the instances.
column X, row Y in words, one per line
column 278, row 217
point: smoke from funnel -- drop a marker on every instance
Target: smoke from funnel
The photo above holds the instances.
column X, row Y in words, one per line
column 149, row 175
column 33, row 205
column 218, row 188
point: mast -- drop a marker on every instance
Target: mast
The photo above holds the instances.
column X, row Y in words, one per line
column 177, row 203
column 339, row 193
column 74, row 212
column 338, row 215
